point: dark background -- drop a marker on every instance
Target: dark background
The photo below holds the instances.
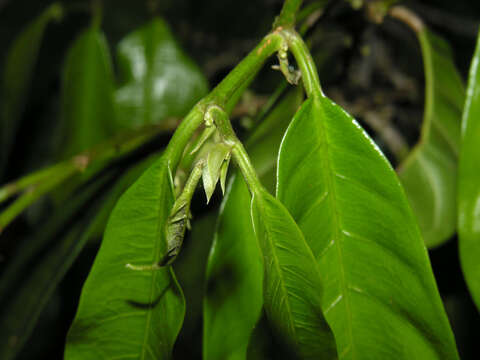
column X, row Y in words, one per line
column 217, row 34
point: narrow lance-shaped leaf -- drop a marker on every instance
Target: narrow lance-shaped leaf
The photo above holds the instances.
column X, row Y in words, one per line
column 234, row 296
column 19, row 67
column 87, row 96
column 122, row 312
column 158, row 79
column 469, row 183
column 47, row 256
column 429, row 173
column 292, row 284
column 380, row 296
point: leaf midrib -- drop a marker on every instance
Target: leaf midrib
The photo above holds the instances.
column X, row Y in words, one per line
column 331, row 196
column 156, row 246
column 277, row 265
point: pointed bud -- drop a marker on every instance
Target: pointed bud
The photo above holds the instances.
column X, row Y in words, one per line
column 212, row 169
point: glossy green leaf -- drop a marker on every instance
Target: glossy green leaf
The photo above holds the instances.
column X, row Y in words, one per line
column 125, row 313
column 158, row 79
column 469, row 183
column 48, row 256
column 121, row 185
column 380, row 296
column 234, row 297
column 88, row 93
column 292, row 283
column 19, row 67
column 429, row 173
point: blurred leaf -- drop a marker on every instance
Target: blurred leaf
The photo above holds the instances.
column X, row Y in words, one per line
column 190, row 268
column 292, row 284
column 122, row 311
column 380, row 296
column 233, row 299
column 87, row 94
column 19, row 67
column 47, row 262
column 429, row 173
column 263, row 144
column 24, row 306
column 235, row 271
column 158, row 79
column 469, row 183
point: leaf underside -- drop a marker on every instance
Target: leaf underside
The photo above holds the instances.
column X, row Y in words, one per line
column 292, row 283
column 234, row 298
column 429, row 173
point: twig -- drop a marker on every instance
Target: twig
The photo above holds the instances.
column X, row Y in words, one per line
column 43, row 181
column 408, row 17
column 447, row 20
column 287, row 15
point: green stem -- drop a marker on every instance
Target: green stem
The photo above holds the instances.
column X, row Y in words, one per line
column 27, row 181
column 239, row 154
column 286, row 19
column 230, row 87
column 185, row 197
column 97, row 11
column 112, row 149
column 177, row 222
column 26, row 199
column 43, row 181
column 305, row 62
column 224, row 95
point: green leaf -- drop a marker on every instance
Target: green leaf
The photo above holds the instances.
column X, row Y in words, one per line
column 47, row 257
column 292, row 284
column 190, row 268
column 234, row 296
column 121, row 185
column 380, row 296
column 127, row 313
column 429, row 173
column 87, row 95
column 158, row 79
column 469, row 183
column 30, row 280
column 19, row 67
